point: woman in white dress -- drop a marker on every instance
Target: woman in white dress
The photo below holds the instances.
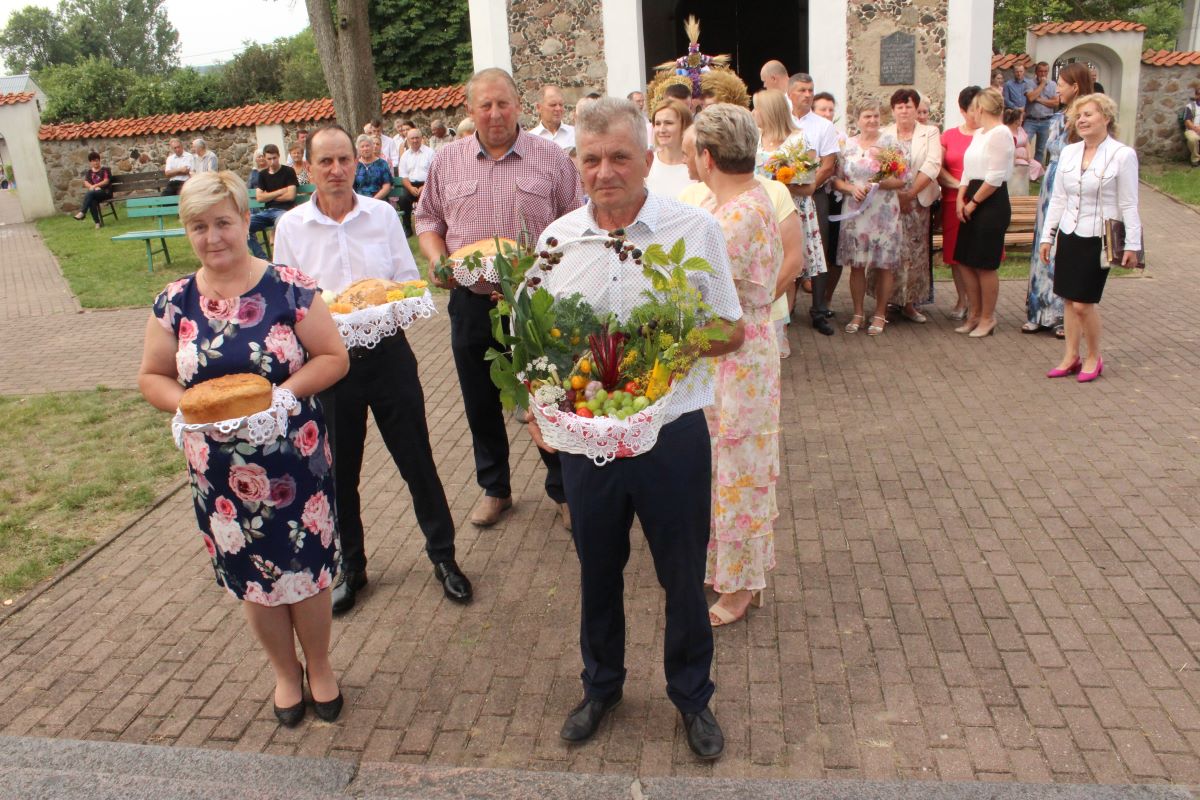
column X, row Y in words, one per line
column 669, row 172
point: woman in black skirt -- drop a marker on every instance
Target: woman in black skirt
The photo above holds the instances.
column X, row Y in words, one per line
column 984, row 212
column 1097, row 179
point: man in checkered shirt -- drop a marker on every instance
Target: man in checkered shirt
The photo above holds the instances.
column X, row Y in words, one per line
column 503, row 182
column 668, row 488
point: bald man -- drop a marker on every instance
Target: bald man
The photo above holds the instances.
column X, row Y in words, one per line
column 774, row 75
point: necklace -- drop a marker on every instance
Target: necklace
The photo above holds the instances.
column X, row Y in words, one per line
column 245, row 287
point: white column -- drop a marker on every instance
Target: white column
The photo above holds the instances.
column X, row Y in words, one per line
column 827, row 51
column 272, row 134
column 489, row 34
column 20, row 124
column 624, row 47
column 1189, row 31
column 968, row 51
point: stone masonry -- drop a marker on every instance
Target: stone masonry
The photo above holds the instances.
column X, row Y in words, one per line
column 868, row 22
column 557, row 41
column 1162, row 92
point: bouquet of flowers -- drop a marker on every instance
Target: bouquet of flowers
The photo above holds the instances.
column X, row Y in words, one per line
column 597, row 385
column 793, row 163
column 891, row 163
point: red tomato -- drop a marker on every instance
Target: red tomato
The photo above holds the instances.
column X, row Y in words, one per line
column 631, row 387
column 585, row 412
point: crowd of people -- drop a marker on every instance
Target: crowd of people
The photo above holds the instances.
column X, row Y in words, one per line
column 282, row 523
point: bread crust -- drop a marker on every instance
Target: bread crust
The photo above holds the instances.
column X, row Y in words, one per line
column 226, row 397
column 484, row 248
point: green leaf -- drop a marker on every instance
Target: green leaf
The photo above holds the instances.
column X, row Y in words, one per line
column 654, row 256
column 677, row 252
column 697, row 264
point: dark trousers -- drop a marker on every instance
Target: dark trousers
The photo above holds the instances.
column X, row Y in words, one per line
column 262, row 220
column 470, row 338
column 827, row 205
column 172, row 188
column 384, row 380
column 405, row 203
column 91, row 203
column 669, row 489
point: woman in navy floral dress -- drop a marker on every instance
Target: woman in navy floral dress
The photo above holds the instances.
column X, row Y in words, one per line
column 265, row 512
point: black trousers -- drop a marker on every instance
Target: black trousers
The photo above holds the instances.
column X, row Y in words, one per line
column 470, row 338
column 91, row 203
column 404, row 204
column 669, row 489
column 384, row 380
column 826, row 205
column 172, row 188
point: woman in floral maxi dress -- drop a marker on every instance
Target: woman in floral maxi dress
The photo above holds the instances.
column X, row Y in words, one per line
column 265, row 512
column 744, row 419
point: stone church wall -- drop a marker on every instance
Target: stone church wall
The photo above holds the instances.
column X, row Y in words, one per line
column 868, row 22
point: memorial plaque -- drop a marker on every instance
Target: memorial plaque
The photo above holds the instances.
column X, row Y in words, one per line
column 897, row 59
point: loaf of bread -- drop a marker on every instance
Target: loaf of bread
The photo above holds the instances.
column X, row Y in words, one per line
column 484, row 248
column 226, row 397
column 365, row 293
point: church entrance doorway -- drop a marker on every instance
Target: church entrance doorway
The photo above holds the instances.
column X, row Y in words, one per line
column 751, row 32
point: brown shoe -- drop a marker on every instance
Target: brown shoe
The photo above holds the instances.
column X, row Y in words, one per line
column 488, row 510
column 564, row 515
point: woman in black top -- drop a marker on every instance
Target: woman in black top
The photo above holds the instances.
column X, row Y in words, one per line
column 96, row 180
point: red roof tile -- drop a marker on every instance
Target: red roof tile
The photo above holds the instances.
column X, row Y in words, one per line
column 16, row 98
column 444, row 97
column 1010, row 60
column 1171, row 58
column 1085, row 26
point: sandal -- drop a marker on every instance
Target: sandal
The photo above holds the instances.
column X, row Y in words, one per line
column 718, row 616
column 875, row 330
column 1060, row 332
column 1030, row 327
column 852, row 326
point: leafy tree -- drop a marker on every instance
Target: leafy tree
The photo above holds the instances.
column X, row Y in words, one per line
column 35, row 38
column 135, row 34
column 418, row 43
column 341, row 29
column 1012, row 17
column 301, row 77
column 92, row 89
column 253, row 76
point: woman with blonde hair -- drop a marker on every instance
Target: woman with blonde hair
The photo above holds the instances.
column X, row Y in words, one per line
column 265, row 512
column 1097, row 181
column 778, row 130
column 669, row 172
column 984, row 212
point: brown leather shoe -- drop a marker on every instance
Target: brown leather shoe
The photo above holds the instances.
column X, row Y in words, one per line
column 488, row 510
column 564, row 515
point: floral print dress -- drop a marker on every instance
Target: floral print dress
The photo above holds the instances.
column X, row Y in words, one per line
column 814, row 248
column 744, row 419
column 870, row 239
column 265, row 512
column 1042, row 306
column 914, row 281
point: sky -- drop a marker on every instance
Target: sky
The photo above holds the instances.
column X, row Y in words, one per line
column 214, row 30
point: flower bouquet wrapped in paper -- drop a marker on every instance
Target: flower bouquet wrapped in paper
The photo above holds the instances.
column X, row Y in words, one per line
column 793, row 163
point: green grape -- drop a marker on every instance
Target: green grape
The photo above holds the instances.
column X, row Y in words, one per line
column 601, row 395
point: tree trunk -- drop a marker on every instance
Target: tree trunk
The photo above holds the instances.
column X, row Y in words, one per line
column 343, row 40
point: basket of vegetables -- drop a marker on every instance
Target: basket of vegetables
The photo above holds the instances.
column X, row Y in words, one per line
column 597, row 385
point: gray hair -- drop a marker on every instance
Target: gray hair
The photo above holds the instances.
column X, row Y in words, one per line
column 598, row 116
column 490, row 75
column 363, row 137
column 729, row 135
column 800, row 77
column 199, row 143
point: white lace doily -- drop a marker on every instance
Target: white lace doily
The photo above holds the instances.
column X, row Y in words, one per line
column 485, row 273
column 258, row 429
column 601, row 439
column 368, row 326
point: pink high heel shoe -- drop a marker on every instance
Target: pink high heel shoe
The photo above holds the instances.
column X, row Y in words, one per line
column 1071, row 370
column 1088, row 377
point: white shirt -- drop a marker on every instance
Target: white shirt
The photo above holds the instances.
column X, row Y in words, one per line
column 368, row 243
column 611, row 285
column 388, row 151
column 989, row 157
column 204, row 163
column 415, row 165
column 564, row 137
column 668, row 179
column 820, row 134
column 179, row 162
column 1083, row 199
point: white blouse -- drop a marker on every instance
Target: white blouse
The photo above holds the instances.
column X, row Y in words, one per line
column 989, row 158
column 1107, row 189
column 668, row 179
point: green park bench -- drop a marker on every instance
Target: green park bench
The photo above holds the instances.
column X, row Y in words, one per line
column 158, row 209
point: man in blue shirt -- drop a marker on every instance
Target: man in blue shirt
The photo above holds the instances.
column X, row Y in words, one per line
column 1042, row 102
column 1015, row 90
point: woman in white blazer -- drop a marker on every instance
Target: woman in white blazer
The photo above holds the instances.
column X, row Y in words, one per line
column 923, row 148
column 1097, row 179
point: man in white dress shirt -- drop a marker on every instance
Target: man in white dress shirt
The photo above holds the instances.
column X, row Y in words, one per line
column 179, row 168
column 204, row 159
column 412, row 170
column 340, row 237
column 551, row 109
column 668, row 488
column 385, row 146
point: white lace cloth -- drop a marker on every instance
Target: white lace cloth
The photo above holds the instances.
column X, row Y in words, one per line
column 602, row 439
column 258, row 429
column 486, row 272
column 368, row 326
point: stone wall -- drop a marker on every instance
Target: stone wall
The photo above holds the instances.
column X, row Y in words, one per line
column 1162, row 91
column 560, row 42
column 869, row 21
column 235, row 147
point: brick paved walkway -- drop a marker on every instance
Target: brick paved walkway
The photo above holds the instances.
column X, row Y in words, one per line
column 982, row 575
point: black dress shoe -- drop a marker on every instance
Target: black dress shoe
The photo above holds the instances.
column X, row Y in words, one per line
column 454, row 583
column 585, row 718
column 292, row 715
column 822, row 325
column 345, row 592
column 704, row 734
column 328, row 710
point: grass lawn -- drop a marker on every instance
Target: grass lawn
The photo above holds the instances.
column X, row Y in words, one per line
column 62, row 483
column 1176, row 179
column 107, row 274
column 1014, row 268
